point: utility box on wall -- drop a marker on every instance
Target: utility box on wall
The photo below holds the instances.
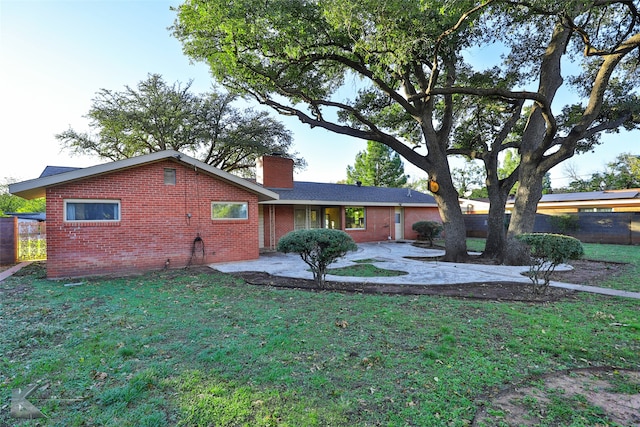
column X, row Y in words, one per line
column 8, row 240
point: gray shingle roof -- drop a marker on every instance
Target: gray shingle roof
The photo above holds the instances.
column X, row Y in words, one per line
column 55, row 170
column 38, row 216
column 346, row 194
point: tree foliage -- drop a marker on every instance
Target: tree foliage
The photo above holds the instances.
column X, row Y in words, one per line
column 318, row 248
column 10, row 203
column 156, row 116
column 469, row 177
column 622, row 173
column 377, row 166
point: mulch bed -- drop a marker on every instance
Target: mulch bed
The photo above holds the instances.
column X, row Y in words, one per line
column 506, row 291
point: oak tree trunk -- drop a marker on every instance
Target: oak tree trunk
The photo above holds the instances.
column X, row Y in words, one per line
column 455, row 231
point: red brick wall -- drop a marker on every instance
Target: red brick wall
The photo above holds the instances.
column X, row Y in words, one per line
column 413, row 215
column 379, row 225
column 153, row 227
column 274, row 172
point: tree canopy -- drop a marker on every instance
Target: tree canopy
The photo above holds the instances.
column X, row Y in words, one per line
column 397, row 73
column 156, row 116
column 377, row 166
column 622, row 173
column 10, row 203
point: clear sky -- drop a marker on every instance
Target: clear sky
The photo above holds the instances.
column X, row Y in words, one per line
column 56, row 55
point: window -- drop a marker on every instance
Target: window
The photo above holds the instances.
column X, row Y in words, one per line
column 595, row 210
column 307, row 217
column 229, row 210
column 355, row 218
column 332, row 218
column 92, row 210
column 170, row 176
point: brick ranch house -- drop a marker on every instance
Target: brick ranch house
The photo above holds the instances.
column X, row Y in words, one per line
column 168, row 210
column 367, row 214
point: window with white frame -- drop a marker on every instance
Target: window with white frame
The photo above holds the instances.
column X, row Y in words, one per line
column 355, row 218
column 92, row 210
column 229, row 210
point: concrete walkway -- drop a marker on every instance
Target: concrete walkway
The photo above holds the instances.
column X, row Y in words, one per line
column 13, row 270
column 393, row 256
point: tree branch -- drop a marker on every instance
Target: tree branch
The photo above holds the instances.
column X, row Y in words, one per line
column 590, row 50
column 436, row 50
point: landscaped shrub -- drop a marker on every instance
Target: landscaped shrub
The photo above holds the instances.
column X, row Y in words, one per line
column 547, row 252
column 564, row 223
column 427, row 230
column 318, row 248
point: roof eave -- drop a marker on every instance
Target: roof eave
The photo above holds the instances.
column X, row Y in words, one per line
column 348, row 203
column 37, row 187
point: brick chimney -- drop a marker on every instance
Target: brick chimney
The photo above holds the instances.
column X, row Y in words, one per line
column 274, row 171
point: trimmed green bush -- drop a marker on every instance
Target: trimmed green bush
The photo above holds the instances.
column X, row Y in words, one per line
column 318, row 248
column 565, row 223
column 427, row 230
column 547, row 252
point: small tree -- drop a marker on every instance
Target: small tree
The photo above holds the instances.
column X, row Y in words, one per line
column 318, row 248
column 378, row 166
column 547, row 252
column 427, row 230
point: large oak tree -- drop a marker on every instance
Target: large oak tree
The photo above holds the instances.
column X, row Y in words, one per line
column 353, row 67
column 156, row 116
column 393, row 72
column 544, row 38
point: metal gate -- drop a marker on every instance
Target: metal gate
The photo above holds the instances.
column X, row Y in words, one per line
column 32, row 240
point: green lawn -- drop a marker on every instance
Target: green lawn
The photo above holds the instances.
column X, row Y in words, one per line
column 180, row 348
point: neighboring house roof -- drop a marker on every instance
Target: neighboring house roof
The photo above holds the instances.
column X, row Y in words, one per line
column 608, row 198
column 589, row 195
column 310, row 193
column 59, row 175
column 36, row 216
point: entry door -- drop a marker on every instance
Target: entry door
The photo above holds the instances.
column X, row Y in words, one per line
column 307, row 217
column 399, row 220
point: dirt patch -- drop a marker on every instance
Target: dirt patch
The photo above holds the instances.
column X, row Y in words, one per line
column 598, row 395
column 585, row 272
column 21, row 288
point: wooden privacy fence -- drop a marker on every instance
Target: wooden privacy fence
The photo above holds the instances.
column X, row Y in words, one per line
column 8, row 240
column 622, row 228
